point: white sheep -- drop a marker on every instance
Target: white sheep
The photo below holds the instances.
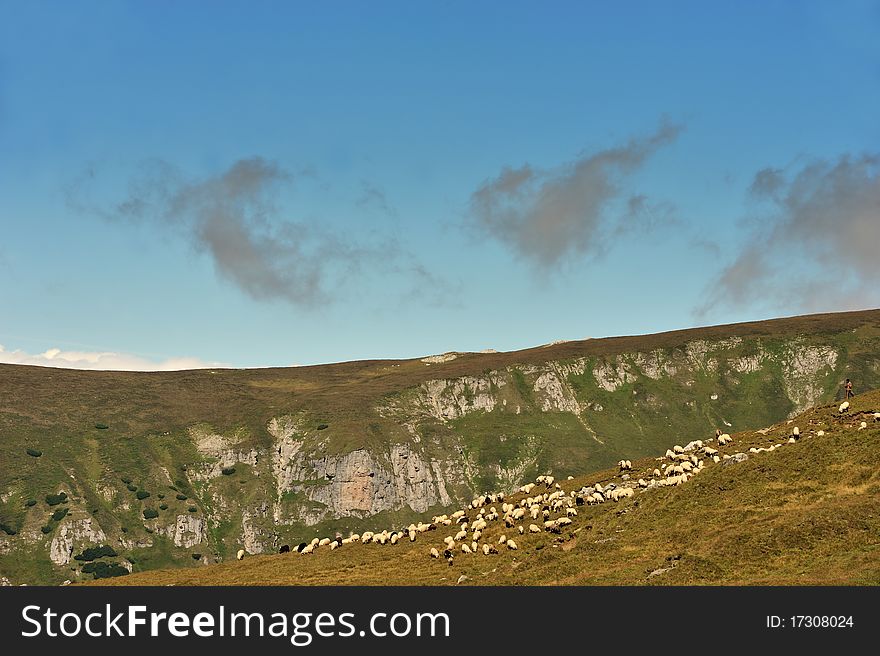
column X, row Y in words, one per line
column 465, row 549
column 534, row 529
column 520, row 529
column 821, row 433
column 240, row 554
column 656, row 472
column 863, row 425
column 511, row 545
column 434, row 553
column 502, row 539
column 461, row 535
column 678, row 448
column 877, row 416
column 844, row 407
column 571, row 512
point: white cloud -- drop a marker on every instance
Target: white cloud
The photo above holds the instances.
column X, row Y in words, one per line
column 107, row 361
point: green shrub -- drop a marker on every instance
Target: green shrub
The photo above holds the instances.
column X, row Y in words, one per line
column 182, row 497
column 193, row 509
column 322, row 426
column 161, row 496
column 30, row 502
column 163, row 506
column 55, row 499
column 197, row 556
column 132, row 488
column 123, row 529
column 101, row 426
column 126, row 480
column 7, row 529
column 228, row 471
column 151, row 513
column 46, row 529
column 171, row 487
column 102, row 570
column 142, row 494
column 59, row 514
column 93, row 553
column 36, row 453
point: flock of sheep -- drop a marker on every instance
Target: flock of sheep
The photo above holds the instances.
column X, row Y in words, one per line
column 544, row 506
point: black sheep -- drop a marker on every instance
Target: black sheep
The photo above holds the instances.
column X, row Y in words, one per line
column 285, row 548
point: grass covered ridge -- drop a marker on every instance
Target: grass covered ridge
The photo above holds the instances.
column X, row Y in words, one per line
column 807, row 513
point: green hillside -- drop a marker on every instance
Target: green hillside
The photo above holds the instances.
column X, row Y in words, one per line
column 183, row 469
column 803, row 514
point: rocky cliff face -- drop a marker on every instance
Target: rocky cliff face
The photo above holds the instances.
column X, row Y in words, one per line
column 429, row 446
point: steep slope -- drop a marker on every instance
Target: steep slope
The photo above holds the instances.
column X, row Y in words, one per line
column 258, row 458
column 805, row 513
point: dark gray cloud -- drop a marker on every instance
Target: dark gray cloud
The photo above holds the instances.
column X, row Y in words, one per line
column 547, row 215
column 233, row 218
column 817, row 248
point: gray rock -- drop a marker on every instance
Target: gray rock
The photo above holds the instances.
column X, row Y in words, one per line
column 735, row 458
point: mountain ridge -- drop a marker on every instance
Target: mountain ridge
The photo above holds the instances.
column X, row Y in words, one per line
column 268, row 456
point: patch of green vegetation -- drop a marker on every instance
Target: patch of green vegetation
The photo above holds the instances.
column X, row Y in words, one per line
column 30, row 503
column 36, row 453
column 151, row 513
column 132, row 488
column 59, row 514
column 93, row 553
column 46, row 529
column 100, row 426
column 323, row 426
column 522, row 387
column 228, row 471
column 142, row 494
column 163, row 506
column 182, row 497
column 55, row 499
column 104, row 570
column 7, row 529
column 193, row 509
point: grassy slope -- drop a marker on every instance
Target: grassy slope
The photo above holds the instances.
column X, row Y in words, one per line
column 806, row 513
column 148, row 415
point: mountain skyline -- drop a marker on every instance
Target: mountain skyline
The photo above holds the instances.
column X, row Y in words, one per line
column 285, row 183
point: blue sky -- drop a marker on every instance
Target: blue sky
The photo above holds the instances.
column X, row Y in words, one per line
column 270, row 183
